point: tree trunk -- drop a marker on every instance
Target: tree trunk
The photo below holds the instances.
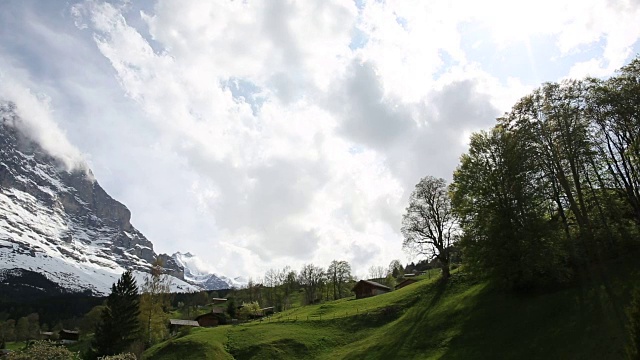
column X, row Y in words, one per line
column 446, row 273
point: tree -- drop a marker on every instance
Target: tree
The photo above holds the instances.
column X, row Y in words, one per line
column 231, row 307
column 249, row 309
column 8, row 330
column 91, row 319
column 154, row 301
column 339, row 272
column 120, row 324
column 395, row 268
column 501, row 201
column 377, row 272
column 428, row 225
column 311, row 278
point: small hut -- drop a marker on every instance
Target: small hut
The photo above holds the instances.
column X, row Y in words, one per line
column 366, row 288
column 213, row 318
column 267, row 311
column 176, row 324
column 405, row 282
column 68, row 336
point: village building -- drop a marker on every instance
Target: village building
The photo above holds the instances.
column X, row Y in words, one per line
column 176, row 324
column 405, row 282
column 46, row 335
column 214, row 318
column 267, row 311
column 68, row 336
column 366, row 288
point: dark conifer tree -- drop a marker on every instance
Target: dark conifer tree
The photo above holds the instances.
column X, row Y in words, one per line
column 119, row 325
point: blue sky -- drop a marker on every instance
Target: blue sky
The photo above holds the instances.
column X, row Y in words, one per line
column 264, row 134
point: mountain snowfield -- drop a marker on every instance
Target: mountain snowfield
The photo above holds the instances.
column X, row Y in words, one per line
column 62, row 224
column 196, row 273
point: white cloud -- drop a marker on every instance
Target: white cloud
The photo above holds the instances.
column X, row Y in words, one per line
column 38, row 122
column 260, row 134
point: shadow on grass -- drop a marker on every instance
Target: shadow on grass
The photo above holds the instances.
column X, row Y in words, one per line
column 570, row 323
column 405, row 336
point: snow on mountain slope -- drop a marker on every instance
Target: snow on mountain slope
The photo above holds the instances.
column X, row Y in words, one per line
column 61, row 223
column 196, row 272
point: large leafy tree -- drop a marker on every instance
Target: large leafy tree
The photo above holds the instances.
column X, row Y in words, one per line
column 119, row 326
column 339, row 273
column 499, row 197
column 428, row 225
column 154, row 303
column 311, row 278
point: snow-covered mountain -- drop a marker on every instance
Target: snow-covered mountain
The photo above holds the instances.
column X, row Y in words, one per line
column 195, row 273
column 62, row 224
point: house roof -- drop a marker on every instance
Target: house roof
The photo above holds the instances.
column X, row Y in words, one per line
column 217, row 310
column 69, row 331
column 183, row 322
column 371, row 283
column 208, row 314
column 405, row 282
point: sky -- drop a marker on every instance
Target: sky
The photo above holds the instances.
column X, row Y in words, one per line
column 264, row 134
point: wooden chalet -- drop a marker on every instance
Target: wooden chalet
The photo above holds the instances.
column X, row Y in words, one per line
column 366, row 288
column 211, row 319
column 267, row 311
column 46, row 335
column 68, row 336
column 405, row 282
column 175, row 324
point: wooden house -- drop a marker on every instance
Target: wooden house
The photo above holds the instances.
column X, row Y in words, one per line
column 176, row 324
column 267, row 311
column 366, row 288
column 405, row 282
column 211, row 319
column 68, row 336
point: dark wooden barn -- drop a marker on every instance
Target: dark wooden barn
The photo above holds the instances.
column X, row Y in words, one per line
column 176, row 324
column 366, row 288
column 210, row 319
column 405, row 282
column 68, row 336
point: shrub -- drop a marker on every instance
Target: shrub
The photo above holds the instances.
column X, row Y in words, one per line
column 43, row 350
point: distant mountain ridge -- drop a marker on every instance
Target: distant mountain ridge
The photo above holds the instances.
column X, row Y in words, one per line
column 63, row 225
column 202, row 278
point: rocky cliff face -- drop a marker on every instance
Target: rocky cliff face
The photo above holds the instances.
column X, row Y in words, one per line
column 62, row 223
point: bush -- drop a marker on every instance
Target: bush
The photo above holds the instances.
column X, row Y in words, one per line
column 126, row 356
column 43, row 350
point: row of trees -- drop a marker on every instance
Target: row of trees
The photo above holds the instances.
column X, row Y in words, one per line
column 552, row 190
column 314, row 282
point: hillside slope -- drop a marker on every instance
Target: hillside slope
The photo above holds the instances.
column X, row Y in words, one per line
column 427, row 320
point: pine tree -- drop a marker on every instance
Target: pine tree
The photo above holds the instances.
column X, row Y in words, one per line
column 119, row 324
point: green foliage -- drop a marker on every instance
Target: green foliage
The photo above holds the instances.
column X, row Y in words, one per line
column 154, row 304
column 119, row 326
column 249, row 310
column 461, row 319
column 231, row 307
column 125, row 356
column 91, row 319
column 501, row 209
column 43, row 350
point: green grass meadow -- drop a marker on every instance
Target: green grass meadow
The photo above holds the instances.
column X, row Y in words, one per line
column 462, row 319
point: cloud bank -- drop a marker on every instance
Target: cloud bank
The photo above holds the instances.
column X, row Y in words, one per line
column 264, row 134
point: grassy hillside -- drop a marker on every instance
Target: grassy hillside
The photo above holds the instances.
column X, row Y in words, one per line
column 428, row 320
